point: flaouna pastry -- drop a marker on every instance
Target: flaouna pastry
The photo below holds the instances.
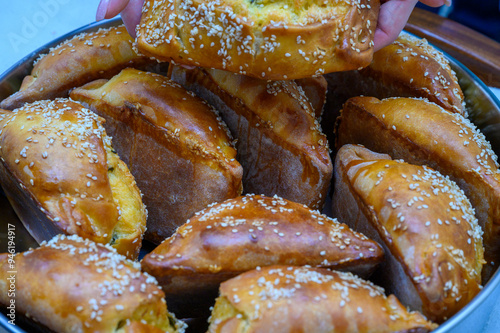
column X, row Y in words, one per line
column 280, row 143
column 81, row 59
column 421, row 132
column 409, row 67
column 74, row 285
column 432, row 241
column 175, row 145
column 286, row 299
column 241, row 234
column 61, row 174
column 267, row 40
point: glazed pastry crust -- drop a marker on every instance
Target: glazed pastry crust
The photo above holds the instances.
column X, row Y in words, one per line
column 301, row 299
column 409, row 67
column 423, row 133
column 175, row 144
column 75, row 285
column 252, row 231
column 425, row 222
column 414, row 68
column 315, row 89
column 61, row 175
column 79, row 60
column 280, row 144
column 261, row 39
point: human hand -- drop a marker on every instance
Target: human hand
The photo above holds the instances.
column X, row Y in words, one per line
column 130, row 9
column 393, row 17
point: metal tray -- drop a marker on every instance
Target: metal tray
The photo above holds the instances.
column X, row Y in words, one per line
column 484, row 111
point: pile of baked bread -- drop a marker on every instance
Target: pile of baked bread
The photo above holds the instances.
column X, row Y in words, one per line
column 220, row 135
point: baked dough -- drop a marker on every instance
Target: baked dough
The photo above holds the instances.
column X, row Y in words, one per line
column 81, row 59
column 139, row 327
column 272, row 40
column 409, row 67
column 176, row 146
column 279, row 142
column 61, row 175
column 315, row 88
column 74, row 285
column 241, row 234
column 283, row 299
column 431, row 239
column 423, row 133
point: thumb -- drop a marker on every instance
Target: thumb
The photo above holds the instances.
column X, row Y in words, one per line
column 131, row 15
column 110, row 8
column 392, row 18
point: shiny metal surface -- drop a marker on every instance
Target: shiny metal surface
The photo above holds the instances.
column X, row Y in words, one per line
column 484, row 111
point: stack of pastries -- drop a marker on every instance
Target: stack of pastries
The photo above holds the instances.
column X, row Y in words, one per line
column 270, row 198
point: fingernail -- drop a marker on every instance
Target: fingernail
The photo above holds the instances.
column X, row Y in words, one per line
column 101, row 10
column 447, row 3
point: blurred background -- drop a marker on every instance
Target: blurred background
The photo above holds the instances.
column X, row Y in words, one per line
column 28, row 24
column 480, row 15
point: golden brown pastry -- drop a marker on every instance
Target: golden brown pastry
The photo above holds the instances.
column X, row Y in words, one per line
column 280, row 144
column 74, row 285
column 409, row 67
column 61, row 175
column 283, row 299
column 79, row 60
column 177, row 148
column 315, row 89
column 431, row 239
column 241, row 234
column 262, row 39
column 139, row 327
column 423, row 133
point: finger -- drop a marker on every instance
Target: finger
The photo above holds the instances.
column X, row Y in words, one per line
column 110, row 8
column 131, row 15
column 392, row 19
